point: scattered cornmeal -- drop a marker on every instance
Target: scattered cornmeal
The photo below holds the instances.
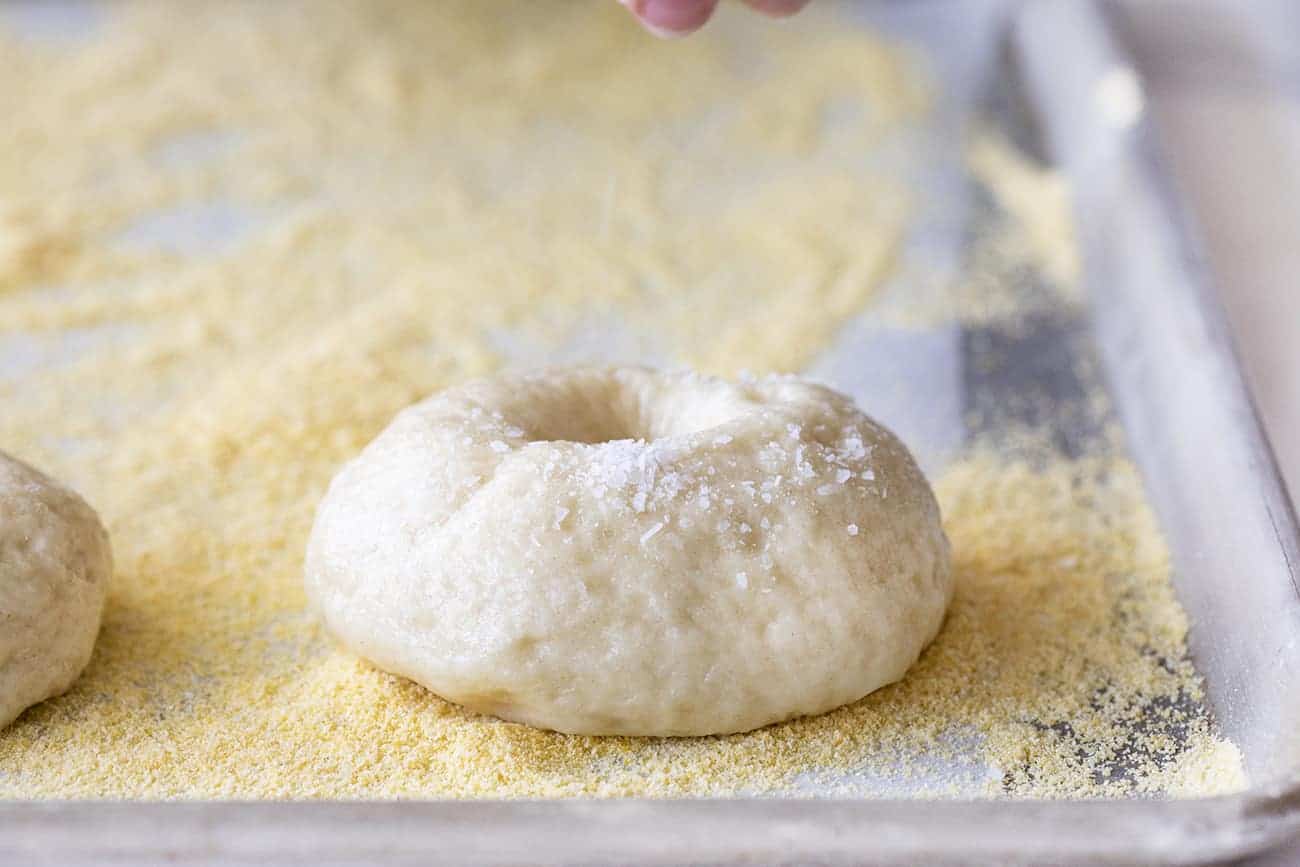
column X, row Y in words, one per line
column 401, row 195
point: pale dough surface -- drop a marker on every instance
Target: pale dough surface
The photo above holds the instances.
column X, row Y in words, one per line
column 622, row 551
column 55, row 564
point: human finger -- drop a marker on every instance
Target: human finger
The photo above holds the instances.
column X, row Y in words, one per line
column 671, row 17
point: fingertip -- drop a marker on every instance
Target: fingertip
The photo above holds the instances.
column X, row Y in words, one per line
column 671, row 18
column 777, row 8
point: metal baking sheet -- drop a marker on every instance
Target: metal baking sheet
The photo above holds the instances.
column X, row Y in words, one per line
column 1155, row 331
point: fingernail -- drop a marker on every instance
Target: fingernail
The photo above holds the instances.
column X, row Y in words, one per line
column 662, row 32
column 670, row 18
column 778, row 8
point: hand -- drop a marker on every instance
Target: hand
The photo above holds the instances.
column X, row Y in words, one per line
column 679, row 17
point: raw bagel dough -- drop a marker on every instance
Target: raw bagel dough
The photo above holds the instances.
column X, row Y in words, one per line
column 623, row 551
column 54, row 568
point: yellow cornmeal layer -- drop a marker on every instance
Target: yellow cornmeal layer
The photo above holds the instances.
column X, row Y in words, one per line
column 1037, row 205
column 1030, row 234
column 433, row 191
column 1063, row 640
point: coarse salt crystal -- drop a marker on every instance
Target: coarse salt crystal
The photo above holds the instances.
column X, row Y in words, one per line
column 823, row 490
column 853, row 447
column 652, row 532
column 842, row 476
column 802, row 465
column 742, row 580
column 560, row 514
column 499, row 447
column 670, row 485
column 853, row 529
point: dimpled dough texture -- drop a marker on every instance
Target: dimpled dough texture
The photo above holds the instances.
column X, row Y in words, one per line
column 630, row 552
column 54, row 569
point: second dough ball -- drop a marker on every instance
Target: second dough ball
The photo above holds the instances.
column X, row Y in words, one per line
column 55, row 564
column 623, row 551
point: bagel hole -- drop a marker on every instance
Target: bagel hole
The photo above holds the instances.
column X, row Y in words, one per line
column 597, row 416
column 593, row 420
column 575, row 431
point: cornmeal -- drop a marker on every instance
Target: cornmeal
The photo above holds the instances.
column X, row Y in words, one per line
column 397, row 196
